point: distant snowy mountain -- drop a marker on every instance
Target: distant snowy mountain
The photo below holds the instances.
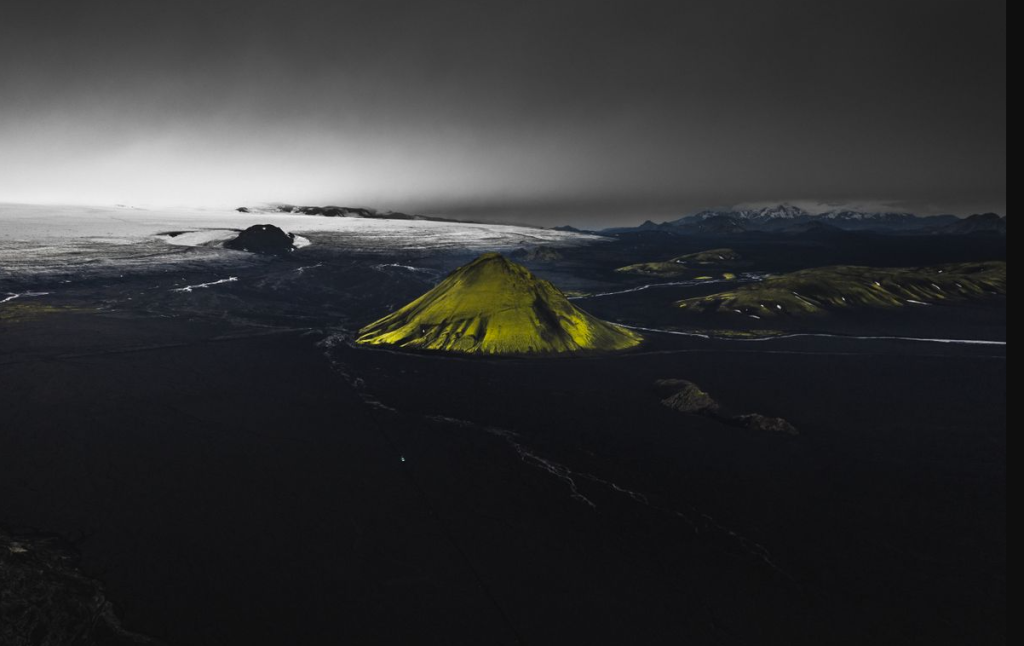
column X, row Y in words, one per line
column 781, row 212
column 788, row 218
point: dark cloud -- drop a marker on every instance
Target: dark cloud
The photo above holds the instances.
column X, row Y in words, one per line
column 567, row 111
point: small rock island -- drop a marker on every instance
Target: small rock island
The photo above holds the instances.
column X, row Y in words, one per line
column 264, row 239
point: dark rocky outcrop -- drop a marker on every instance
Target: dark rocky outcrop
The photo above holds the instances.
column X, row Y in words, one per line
column 263, row 238
column 46, row 600
column 758, row 422
column 687, row 397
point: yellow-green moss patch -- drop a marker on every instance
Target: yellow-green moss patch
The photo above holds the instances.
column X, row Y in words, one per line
column 819, row 291
column 493, row 306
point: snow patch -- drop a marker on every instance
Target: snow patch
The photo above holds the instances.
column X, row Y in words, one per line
column 189, row 288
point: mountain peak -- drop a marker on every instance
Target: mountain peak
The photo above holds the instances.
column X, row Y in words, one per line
column 490, row 256
column 780, row 211
column 495, row 306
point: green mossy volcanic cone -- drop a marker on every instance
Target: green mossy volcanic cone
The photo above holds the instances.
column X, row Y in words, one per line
column 493, row 306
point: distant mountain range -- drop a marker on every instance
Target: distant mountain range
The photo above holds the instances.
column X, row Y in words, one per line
column 782, row 218
column 339, row 212
column 786, row 218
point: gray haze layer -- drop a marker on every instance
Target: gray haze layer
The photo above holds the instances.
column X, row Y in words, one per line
column 548, row 112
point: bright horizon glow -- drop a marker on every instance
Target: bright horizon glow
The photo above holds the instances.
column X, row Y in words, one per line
column 551, row 113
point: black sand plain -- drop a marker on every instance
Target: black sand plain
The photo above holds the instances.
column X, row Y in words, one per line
column 233, row 470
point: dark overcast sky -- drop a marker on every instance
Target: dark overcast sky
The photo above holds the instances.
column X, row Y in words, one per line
column 550, row 111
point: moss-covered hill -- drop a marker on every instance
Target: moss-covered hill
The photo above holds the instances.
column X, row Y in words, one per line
column 827, row 289
column 493, row 306
column 688, row 265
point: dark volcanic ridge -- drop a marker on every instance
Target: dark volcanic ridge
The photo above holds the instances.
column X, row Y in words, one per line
column 981, row 224
column 341, row 212
column 789, row 219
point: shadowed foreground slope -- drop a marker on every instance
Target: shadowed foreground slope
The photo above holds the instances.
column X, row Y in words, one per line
column 493, row 306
